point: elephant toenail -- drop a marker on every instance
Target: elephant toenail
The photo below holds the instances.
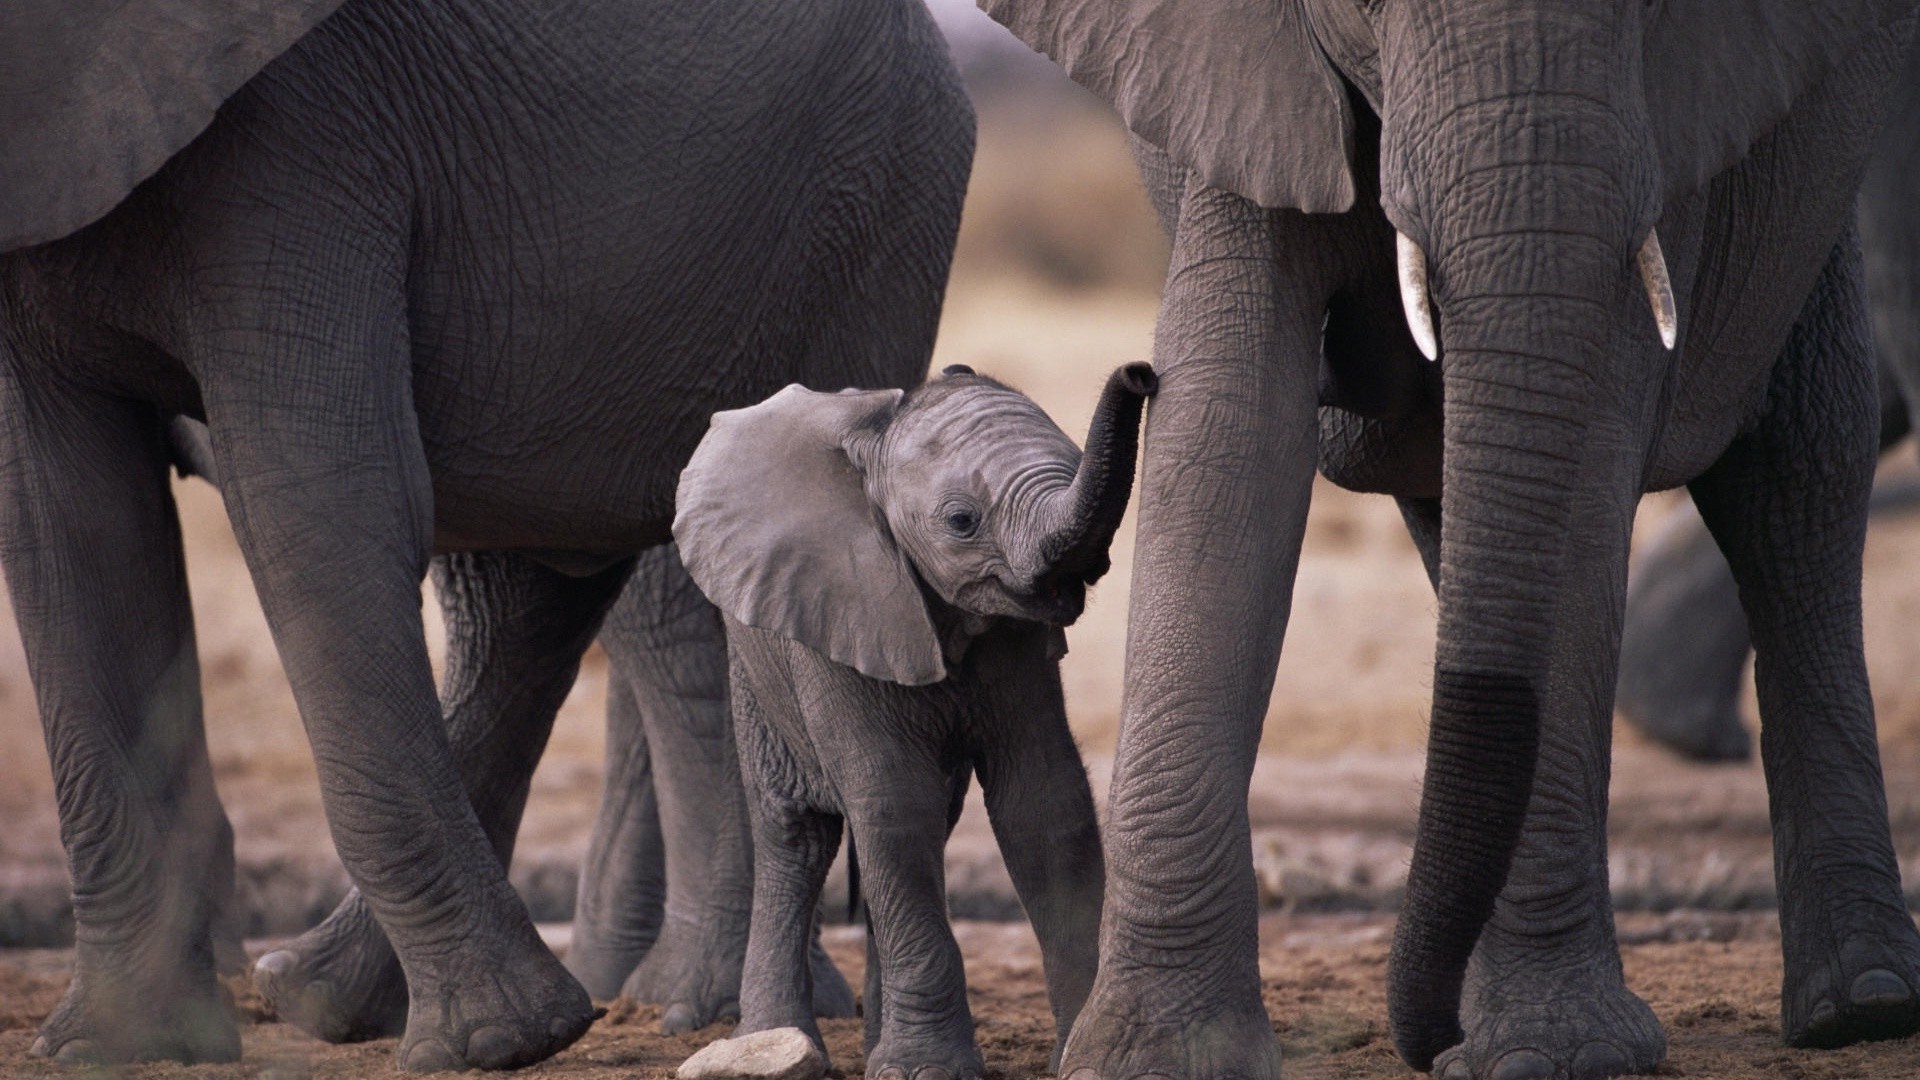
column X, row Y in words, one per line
column 1879, row 987
column 492, row 1046
column 678, row 1019
column 1822, row 1013
column 79, row 1052
column 274, row 965
column 1600, row 1059
column 931, row 1072
column 1523, row 1065
column 40, row 1048
column 429, row 1055
column 891, row 1072
column 1457, row 1069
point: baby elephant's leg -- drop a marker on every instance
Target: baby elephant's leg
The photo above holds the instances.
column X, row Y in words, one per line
column 899, row 820
column 793, row 847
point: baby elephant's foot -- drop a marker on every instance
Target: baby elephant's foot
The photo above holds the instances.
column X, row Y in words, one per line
column 496, row 1015
column 340, row 981
column 186, row 1022
column 1866, row 989
column 918, row 1059
column 1574, row 1027
column 693, row 973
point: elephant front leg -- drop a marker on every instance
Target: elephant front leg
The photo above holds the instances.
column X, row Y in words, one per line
column 93, row 560
column 515, row 633
column 309, row 400
column 1788, row 503
column 1229, row 454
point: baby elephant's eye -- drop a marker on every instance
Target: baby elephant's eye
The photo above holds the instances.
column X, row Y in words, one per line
column 963, row 522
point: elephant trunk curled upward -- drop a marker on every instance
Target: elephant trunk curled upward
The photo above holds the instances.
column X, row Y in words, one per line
column 895, row 572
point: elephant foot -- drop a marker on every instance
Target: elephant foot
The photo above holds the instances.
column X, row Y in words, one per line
column 832, row 998
column 603, row 959
column 180, row 1019
column 1863, row 990
column 340, row 981
column 923, row 1058
column 1548, row 1025
column 693, row 973
column 496, row 1015
column 1698, row 730
column 1138, row 1027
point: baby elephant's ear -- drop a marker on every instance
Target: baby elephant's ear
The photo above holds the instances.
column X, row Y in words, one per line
column 774, row 524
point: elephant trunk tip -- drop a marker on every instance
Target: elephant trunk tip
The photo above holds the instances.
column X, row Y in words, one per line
column 1092, row 507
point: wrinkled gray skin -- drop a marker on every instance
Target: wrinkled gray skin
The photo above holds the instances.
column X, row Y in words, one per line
column 439, row 278
column 1526, row 149
column 999, row 525
column 639, row 932
column 1686, row 639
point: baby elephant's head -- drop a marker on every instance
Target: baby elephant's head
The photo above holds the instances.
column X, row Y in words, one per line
column 822, row 517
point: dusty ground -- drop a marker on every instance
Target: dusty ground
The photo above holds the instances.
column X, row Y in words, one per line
column 1054, row 286
column 1712, row 979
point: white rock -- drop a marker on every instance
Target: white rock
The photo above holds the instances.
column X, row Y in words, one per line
column 780, row 1054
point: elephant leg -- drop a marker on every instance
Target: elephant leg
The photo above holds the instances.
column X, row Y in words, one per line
column 1230, row 448
column 1684, row 646
column 793, row 848
column 623, row 882
column 1788, row 503
column 667, row 642
column 93, row 558
column 1041, row 809
column 925, row 1027
column 515, row 633
column 307, row 379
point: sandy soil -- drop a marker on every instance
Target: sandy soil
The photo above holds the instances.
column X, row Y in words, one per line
column 1713, row 981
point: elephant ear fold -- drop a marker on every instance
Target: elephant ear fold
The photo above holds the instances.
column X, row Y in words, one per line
column 774, row 525
column 1720, row 75
column 96, row 95
column 1237, row 90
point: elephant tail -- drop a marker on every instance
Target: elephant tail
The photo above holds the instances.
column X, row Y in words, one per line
column 853, row 880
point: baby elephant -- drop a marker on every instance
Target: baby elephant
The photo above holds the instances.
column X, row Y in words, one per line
column 895, row 571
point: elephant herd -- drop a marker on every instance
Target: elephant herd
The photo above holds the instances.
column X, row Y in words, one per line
column 457, row 287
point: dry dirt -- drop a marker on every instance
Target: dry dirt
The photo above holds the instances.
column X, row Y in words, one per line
column 1713, row 981
column 1333, row 795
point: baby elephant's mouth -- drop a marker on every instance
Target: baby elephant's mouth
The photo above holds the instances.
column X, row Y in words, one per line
column 1057, row 599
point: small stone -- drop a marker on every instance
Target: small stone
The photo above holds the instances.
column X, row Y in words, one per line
column 780, row 1054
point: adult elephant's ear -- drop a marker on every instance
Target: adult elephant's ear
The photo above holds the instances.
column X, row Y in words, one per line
column 96, row 95
column 1237, row 90
column 774, row 525
column 1720, row 75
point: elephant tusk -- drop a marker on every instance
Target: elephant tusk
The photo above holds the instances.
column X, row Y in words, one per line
column 1653, row 275
column 1414, row 295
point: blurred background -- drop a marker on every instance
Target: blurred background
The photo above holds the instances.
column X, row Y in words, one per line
column 1056, row 281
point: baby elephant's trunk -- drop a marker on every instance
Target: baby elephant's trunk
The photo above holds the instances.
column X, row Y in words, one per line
column 1092, row 508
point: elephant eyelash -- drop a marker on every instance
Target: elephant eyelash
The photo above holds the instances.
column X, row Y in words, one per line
column 961, row 521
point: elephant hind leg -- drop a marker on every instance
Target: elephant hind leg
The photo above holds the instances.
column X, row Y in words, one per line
column 516, row 630
column 1788, row 504
column 93, row 559
column 1684, row 646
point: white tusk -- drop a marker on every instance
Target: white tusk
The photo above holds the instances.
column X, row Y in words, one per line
column 1414, row 296
column 1653, row 275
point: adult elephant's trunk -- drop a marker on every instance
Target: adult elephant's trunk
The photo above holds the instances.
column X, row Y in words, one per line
column 1088, row 513
column 1519, row 174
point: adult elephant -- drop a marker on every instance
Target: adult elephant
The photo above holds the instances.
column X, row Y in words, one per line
column 1525, row 179
column 460, row 276
column 1686, row 641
